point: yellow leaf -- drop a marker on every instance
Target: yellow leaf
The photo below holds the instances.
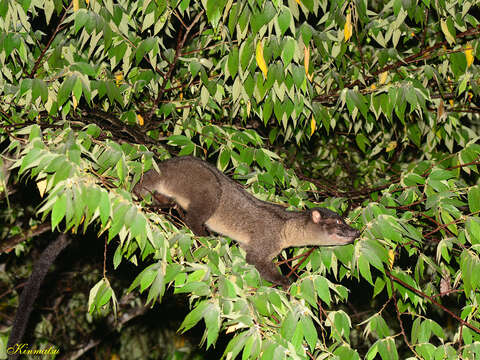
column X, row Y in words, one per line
column 140, row 119
column 75, row 102
column 76, row 6
column 373, row 87
column 260, row 60
column 313, row 126
column 348, row 29
column 450, row 102
column 391, row 257
column 87, row 1
column 233, row 328
column 469, row 54
column 42, row 185
column 306, row 58
column 306, row 62
column 298, row 2
column 119, row 78
column 383, row 77
column 391, row 145
column 448, row 36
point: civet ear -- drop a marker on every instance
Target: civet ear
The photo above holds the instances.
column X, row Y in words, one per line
column 316, row 216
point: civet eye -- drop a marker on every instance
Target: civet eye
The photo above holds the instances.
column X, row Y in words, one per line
column 339, row 221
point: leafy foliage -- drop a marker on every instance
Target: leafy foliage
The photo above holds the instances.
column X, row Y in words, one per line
column 368, row 108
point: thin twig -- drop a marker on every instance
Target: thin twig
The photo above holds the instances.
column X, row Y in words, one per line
column 42, row 54
column 402, row 329
column 180, row 44
column 422, row 294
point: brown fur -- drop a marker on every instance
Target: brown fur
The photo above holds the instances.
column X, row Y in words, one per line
column 214, row 201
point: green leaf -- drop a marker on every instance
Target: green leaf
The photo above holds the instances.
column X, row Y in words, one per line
column 267, row 111
column 3, row 9
column 414, row 298
column 364, row 268
column 233, row 17
column 249, row 85
column 288, row 50
column 26, row 85
column 438, row 174
column 187, row 149
column 263, row 159
column 323, row 290
column 215, row 10
column 307, row 33
column 361, row 140
column 389, row 228
column 298, row 75
column 232, row 62
column 474, row 198
column 77, row 89
column 379, row 285
column 473, row 230
column 223, row 159
column 30, row 160
column 309, row 332
column 375, row 253
column 144, row 47
column 81, row 17
column 93, row 296
column 39, row 89
column 469, row 265
column 263, row 18
column 252, row 348
column 244, row 18
column 59, row 209
column 90, row 196
column 195, row 67
column 179, row 140
column 118, row 215
column 212, row 322
column 388, row 349
column 412, row 179
column 458, row 63
column 157, row 289
column 284, row 20
column 308, row 291
column 235, row 345
column 197, row 288
column 309, row 4
column 66, row 89
column 148, row 20
column 415, row 134
column 104, row 206
column 289, row 325
column 345, row 352
column 356, row 100
column 194, row 316
column 104, row 295
column 138, row 227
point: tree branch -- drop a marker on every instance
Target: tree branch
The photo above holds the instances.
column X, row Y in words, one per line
column 422, row 294
column 168, row 75
column 42, row 54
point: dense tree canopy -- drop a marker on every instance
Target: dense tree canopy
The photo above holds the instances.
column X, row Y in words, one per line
column 368, row 108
